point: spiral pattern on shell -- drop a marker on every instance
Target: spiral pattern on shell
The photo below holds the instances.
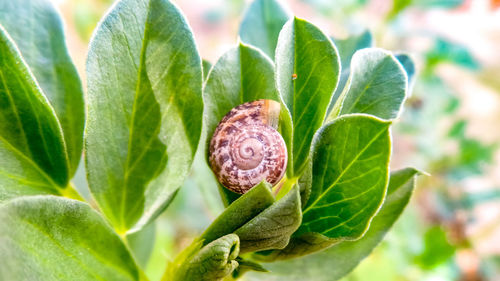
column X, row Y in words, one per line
column 246, row 148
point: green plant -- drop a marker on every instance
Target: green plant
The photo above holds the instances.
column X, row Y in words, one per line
column 144, row 124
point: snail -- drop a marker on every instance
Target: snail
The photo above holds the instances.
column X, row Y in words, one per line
column 246, row 147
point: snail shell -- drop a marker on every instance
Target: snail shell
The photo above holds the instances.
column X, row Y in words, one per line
column 246, row 148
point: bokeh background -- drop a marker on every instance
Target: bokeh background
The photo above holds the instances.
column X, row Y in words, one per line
column 450, row 129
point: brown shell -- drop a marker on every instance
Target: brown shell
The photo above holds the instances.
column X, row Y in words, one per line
column 246, row 148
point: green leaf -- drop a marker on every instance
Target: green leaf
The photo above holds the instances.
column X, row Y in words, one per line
column 349, row 179
column 347, row 254
column 347, row 47
column 272, row 228
column 240, row 212
column 437, row 249
column 246, row 266
column 52, row 238
column 307, row 72
column 377, row 85
column 262, row 24
column 409, row 67
column 141, row 244
column 214, row 261
column 206, row 68
column 33, row 158
column 241, row 75
column 36, row 28
column 144, row 114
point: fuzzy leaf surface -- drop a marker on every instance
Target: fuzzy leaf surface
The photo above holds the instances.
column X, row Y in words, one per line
column 307, row 72
column 347, row 254
column 33, row 159
column 212, row 262
column 347, row 47
column 241, row 211
column 36, row 28
column 349, row 178
column 144, row 113
column 377, row 84
column 272, row 228
column 53, row 238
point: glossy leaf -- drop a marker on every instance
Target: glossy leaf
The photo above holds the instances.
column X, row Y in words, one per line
column 377, row 85
column 52, row 238
column 349, row 178
column 262, row 24
column 307, row 72
column 347, row 254
column 272, row 228
column 241, row 75
column 347, row 47
column 33, row 158
column 213, row 261
column 144, row 114
column 36, row 28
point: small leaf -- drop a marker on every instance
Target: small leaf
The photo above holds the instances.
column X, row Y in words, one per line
column 262, row 24
column 297, row 247
column 347, row 47
column 272, row 228
column 52, row 238
column 33, row 158
column 347, row 254
column 350, row 173
column 307, row 72
column 377, row 85
column 36, row 28
column 214, row 261
column 246, row 266
column 240, row 212
column 144, row 114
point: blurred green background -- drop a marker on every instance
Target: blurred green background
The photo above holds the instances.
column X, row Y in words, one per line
column 450, row 128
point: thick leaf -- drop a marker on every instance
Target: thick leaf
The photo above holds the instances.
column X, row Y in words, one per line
column 377, row 85
column 144, row 114
column 33, row 158
column 241, row 75
column 272, row 228
column 240, row 212
column 347, row 47
column 52, row 238
column 262, row 24
column 214, row 261
column 307, row 72
column 340, row 259
column 350, row 174
column 36, row 27
column 409, row 67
